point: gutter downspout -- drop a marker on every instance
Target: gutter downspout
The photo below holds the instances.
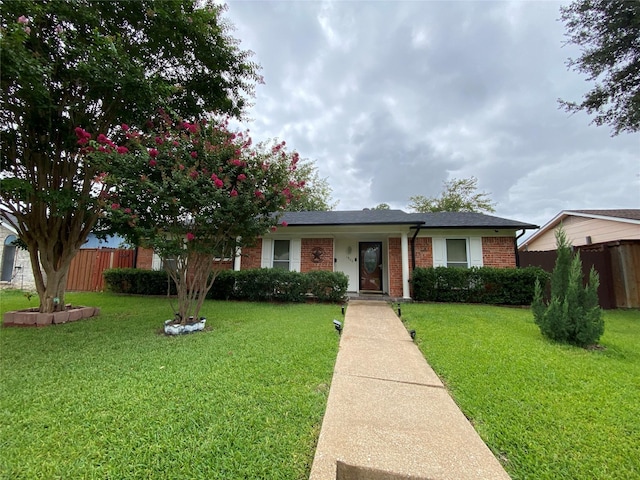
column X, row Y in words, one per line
column 413, row 246
column 515, row 244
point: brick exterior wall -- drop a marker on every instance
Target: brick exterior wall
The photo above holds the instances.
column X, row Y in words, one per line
column 395, row 267
column 498, row 252
column 251, row 256
column 144, row 261
column 424, row 253
column 144, row 258
column 223, row 265
column 310, row 258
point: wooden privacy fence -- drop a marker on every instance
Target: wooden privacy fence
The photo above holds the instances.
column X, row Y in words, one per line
column 85, row 273
column 617, row 264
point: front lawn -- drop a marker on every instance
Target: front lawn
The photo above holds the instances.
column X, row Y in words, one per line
column 547, row 411
column 110, row 397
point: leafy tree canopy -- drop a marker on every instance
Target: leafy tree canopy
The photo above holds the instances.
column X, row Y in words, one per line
column 96, row 64
column 193, row 192
column 608, row 34
column 458, row 195
column 317, row 191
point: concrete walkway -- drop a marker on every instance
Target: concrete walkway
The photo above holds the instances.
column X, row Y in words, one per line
column 388, row 415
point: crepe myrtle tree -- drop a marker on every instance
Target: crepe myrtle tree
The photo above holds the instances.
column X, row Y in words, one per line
column 97, row 64
column 194, row 192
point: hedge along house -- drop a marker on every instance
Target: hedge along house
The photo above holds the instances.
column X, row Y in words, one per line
column 378, row 249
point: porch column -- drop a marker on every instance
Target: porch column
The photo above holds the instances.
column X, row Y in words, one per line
column 237, row 259
column 404, row 248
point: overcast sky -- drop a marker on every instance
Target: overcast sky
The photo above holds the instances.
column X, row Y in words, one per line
column 390, row 99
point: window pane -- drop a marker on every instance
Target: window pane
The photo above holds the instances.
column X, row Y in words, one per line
column 281, row 254
column 281, row 250
column 456, row 252
column 170, row 264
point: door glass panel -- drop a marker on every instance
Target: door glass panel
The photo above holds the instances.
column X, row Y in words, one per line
column 370, row 268
column 371, row 259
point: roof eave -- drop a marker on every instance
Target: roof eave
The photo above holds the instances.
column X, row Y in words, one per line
column 601, row 217
column 475, row 227
column 359, row 224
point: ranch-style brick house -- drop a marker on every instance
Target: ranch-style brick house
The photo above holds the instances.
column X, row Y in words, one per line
column 378, row 249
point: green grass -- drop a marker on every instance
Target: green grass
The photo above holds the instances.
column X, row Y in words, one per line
column 110, row 397
column 547, row 411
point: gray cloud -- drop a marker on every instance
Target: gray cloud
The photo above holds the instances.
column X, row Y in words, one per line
column 392, row 98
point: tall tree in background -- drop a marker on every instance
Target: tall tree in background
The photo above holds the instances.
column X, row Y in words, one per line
column 608, row 33
column 382, row 206
column 458, row 195
column 317, row 191
column 96, row 64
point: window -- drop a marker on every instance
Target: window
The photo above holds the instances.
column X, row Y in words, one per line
column 457, row 253
column 169, row 264
column 281, row 254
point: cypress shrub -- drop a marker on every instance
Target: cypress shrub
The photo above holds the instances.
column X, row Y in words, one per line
column 572, row 315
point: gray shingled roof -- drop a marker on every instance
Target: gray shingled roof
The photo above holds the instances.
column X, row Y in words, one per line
column 349, row 217
column 399, row 217
column 467, row 220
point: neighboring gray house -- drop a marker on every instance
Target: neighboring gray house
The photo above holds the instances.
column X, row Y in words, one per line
column 15, row 264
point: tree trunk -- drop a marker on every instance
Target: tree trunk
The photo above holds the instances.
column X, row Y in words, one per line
column 52, row 299
column 194, row 276
column 50, row 278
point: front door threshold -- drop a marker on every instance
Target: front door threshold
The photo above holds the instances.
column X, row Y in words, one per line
column 375, row 296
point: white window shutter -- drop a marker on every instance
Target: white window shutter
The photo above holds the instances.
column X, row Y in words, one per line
column 439, row 252
column 267, row 253
column 475, row 253
column 295, row 254
column 156, row 262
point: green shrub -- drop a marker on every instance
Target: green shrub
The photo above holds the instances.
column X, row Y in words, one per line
column 223, row 286
column 510, row 286
column 269, row 284
column 573, row 314
column 138, row 282
column 498, row 286
column 327, row 286
column 256, row 285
